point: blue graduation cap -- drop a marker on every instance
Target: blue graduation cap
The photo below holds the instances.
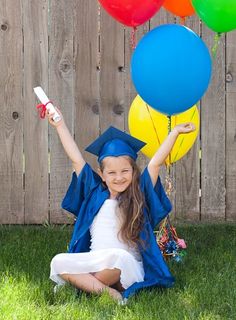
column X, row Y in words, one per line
column 114, row 142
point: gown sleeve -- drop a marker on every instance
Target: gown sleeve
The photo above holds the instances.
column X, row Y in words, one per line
column 80, row 188
column 157, row 202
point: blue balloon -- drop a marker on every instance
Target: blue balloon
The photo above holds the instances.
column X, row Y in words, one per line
column 171, row 68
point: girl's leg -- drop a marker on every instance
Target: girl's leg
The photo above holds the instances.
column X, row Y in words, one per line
column 118, row 286
column 89, row 283
column 110, row 277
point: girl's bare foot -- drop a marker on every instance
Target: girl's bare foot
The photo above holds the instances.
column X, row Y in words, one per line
column 115, row 294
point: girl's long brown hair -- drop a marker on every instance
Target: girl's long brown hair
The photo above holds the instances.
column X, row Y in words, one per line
column 131, row 203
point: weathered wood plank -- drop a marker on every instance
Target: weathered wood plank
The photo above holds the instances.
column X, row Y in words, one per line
column 231, row 126
column 213, row 137
column 112, row 64
column 86, row 83
column 11, row 113
column 35, row 27
column 61, row 90
column 187, row 169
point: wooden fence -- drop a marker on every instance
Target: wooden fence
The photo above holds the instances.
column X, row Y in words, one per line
column 81, row 58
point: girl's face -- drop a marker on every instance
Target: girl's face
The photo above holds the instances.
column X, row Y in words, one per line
column 117, row 174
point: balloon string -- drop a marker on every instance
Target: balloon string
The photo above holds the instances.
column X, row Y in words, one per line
column 182, row 21
column 169, row 130
column 216, row 44
column 154, row 128
column 133, row 38
column 168, row 180
column 194, row 111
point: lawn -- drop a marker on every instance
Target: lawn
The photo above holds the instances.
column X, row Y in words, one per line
column 205, row 286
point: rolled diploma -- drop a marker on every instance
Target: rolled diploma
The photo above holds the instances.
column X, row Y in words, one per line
column 44, row 99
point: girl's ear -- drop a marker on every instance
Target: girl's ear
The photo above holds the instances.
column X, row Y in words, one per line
column 99, row 171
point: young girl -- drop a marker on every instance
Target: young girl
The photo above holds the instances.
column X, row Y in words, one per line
column 113, row 247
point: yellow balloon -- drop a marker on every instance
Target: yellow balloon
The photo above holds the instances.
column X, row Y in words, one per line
column 151, row 126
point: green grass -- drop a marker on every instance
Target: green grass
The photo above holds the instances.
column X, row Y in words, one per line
column 205, row 286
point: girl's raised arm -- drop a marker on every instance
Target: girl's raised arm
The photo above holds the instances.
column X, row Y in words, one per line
column 68, row 142
column 165, row 148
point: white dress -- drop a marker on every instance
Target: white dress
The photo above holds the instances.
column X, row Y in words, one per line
column 107, row 251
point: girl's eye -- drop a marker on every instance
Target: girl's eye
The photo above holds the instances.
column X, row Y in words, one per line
column 112, row 172
column 126, row 171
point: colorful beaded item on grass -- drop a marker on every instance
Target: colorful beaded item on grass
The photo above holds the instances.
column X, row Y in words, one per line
column 171, row 246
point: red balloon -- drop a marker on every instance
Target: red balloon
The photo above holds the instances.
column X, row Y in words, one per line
column 132, row 13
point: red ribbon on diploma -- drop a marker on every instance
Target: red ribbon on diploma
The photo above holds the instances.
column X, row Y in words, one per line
column 43, row 108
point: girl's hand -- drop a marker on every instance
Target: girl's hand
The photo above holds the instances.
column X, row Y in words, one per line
column 50, row 118
column 165, row 148
column 184, row 128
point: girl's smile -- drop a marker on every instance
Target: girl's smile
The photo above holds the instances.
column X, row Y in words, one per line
column 117, row 174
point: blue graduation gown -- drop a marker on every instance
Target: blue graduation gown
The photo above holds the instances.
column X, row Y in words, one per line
column 85, row 196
